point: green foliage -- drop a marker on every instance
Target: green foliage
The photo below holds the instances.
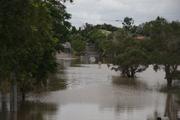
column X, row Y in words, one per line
column 60, row 24
column 97, row 35
column 165, row 44
column 28, row 41
column 78, row 44
column 128, row 25
column 129, row 55
column 106, row 27
column 161, row 47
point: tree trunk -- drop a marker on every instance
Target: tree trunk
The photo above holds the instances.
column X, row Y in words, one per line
column 169, row 83
column 128, row 74
column 123, row 73
column 132, row 73
column 23, row 96
column 4, row 106
column 13, row 95
column 168, row 76
column 171, row 108
column 13, row 116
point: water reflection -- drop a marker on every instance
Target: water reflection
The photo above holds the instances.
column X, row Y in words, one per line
column 3, row 107
column 170, row 111
column 68, row 63
column 57, row 82
column 171, row 107
column 65, row 63
column 134, row 83
column 91, row 92
column 99, row 98
column 30, row 111
column 36, row 111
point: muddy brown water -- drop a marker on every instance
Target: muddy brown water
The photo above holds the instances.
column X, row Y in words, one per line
column 94, row 92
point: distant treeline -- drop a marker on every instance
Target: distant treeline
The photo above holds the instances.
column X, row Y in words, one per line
column 133, row 48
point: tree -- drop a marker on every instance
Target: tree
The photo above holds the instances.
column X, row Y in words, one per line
column 106, row 27
column 128, row 25
column 28, row 45
column 14, row 27
column 78, row 44
column 129, row 55
column 59, row 17
column 165, row 44
column 97, row 36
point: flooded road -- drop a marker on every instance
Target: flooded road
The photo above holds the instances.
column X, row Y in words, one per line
column 94, row 92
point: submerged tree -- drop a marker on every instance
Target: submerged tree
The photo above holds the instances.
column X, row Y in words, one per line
column 28, row 44
column 129, row 56
column 165, row 46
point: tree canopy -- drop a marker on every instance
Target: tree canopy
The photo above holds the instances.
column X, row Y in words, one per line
column 163, row 45
column 29, row 31
column 129, row 55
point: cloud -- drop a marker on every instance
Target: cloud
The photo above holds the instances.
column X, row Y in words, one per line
column 107, row 11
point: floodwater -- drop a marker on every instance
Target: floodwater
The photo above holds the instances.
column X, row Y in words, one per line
column 93, row 92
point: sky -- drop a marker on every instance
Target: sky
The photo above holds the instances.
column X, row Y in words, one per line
column 114, row 11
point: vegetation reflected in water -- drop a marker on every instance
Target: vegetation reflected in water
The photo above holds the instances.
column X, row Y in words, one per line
column 30, row 111
column 102, row 95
